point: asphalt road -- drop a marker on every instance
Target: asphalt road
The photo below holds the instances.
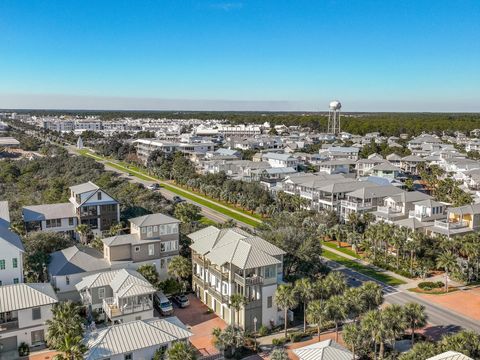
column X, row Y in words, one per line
column 442, row 319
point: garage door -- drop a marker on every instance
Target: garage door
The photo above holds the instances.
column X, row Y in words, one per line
column 8, row 344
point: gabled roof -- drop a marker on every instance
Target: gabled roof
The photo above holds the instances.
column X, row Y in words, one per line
column 276, row 156
column 386, row 166
column 375, row 192
column 10, row 237
column 450, row 355
column 23, row 296
column 128, row 282
column 413, row 158
column 428, row 203
column 466, row 209
column 4, row 213
column 410, row 196
column 48, row 211
column 412, row 223
column 121, row 239
column 234, row 246
column 323, row 350
column 153, row 219
column 76, row 259
column 83, row 188
column 133, row 335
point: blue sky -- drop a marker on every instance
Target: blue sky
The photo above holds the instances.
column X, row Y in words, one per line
column 383, row 55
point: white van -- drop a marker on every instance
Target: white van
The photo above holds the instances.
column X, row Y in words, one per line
column 163, row 305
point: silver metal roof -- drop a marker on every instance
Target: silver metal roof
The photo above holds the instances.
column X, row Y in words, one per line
column 324, row 350
column 76, row 259
column 133, row 335
column 23, row 296
column 450, row 355
column 4, row 213
column 48, row 211
column 153, row 219
column 83, row 188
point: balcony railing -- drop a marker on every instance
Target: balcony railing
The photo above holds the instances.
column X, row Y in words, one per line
column 388, row 210
column 249, row 280
column 218, row 273
column 8, row 326
column 444, row 224
column 356, row 206
column 218, row 295
column 198, row 278
column 112, row 309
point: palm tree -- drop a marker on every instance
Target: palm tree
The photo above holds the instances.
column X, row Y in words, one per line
column 335, row 283
column 115, row 229
column 83, row 230
column 316, row 314
column 180, row 267
column 354, row 336
column 71, row 348
column 335, row 311
column 416, row 317
column 181, row 351
column 371, row 295
column 231, row 338
column 373, row 325
column 236, row 303
column 394, row 320
column 66, row 319
column 305, row 293
column 448, row 262
column 286, row 299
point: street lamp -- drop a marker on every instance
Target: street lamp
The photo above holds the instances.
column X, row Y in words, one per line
column 255, row 333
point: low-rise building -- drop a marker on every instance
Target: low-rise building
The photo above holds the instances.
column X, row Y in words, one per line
column 11, row 254
column 24, row 309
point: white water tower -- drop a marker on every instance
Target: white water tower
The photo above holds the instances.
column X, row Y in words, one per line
column 334, row 117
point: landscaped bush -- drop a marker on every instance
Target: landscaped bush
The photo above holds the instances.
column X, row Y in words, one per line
column 296, row 336
column 23, row 349
column 279, row 341
column 263, row 331
column 430, row 285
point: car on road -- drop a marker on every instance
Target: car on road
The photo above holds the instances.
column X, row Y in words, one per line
column 162, row 304
column 181, row 300
column 154, row 186
column 129, row 174
column 177, row 199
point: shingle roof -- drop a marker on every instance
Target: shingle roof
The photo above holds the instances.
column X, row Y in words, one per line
column 153, row 219
column 275, row 156
column 76, row 259
column 324, row 350
column 48, row 211
column 133, row 335
column 385, row 167
column 375, row 192
column 24, row 296
column 410, row 196
column 412, row 223
column 83, row 188
column 121, row 239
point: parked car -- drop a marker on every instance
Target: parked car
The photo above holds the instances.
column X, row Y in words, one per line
column 162, row 304
column 177, row 199
column 182, row 300
column 153, row 186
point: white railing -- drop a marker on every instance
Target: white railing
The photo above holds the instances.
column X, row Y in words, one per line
column 388, row 210
column 112, row 309
column 445, row 224
column 355, row 205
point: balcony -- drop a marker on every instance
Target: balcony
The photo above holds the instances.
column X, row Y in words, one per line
column 217, row 295
column 307, row 195
column 388, row 210
column 249, row 280
column 356, row 205
column 9, row 326
column 197, row 278
column 112, row 308
column 217, row 273
column 447, row 225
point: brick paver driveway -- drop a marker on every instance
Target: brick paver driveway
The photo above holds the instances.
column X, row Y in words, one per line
column 201, row 324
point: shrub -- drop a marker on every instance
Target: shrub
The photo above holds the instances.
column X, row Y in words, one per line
column 263, row 331
column 296, row 336
column 430, row 285
column 279, row 341
column 23, row 349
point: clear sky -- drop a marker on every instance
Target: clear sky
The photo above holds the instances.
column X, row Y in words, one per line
column 373, row 55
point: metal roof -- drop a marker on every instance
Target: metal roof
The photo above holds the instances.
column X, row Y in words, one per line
column 121, row 239
column 48, row 211
column 450, row 355
column 153, row 219
column 10, row 237
column 83, row 188
column 4, row 213
column 76, row 259
column 23, row 296
column 324, row 350
column 133, row 335
column 234, row 246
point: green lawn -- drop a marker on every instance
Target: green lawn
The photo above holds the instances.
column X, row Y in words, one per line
column 345, row 250
column 139, row 173
column 387, row 279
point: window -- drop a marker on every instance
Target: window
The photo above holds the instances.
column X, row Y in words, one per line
column 151, row 249
column 138, row 318
column 67, row 280
column 137, row 248
column 2, row 264
column 99, row 195
column 155, row 228
column 101, row 293
column 128, row 356
column 15, row 263
column 162, row 263
column 70, row 221
column 269, row 302
column 38, row 337
column 36, row 313
column 52, row 223
column 144, row 230
column 270, row 271
column 15, row 281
